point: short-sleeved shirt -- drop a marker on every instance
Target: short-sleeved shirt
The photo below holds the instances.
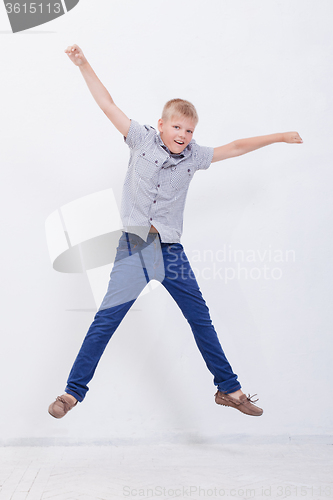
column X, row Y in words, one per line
column 157, row 182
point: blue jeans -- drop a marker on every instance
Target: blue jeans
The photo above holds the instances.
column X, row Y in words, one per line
column 136, row 263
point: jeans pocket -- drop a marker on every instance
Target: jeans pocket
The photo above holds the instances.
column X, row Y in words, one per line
column 122, row 249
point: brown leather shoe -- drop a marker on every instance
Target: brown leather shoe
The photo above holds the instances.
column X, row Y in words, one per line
column 61, row 406
column 243, row 404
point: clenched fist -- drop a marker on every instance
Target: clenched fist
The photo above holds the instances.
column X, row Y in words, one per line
column 76, row 55
column 292, row 138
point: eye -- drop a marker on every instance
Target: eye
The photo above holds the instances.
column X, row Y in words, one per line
column 176, row 126
column 190, row 131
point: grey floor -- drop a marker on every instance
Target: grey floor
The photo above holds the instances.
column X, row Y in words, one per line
column 232, row 467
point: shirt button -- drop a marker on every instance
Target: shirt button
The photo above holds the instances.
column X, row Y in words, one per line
column 143, row 154
column 154, row 201
column 156, row 161
column 158, row 185
column 189, row 170
column 151, row 218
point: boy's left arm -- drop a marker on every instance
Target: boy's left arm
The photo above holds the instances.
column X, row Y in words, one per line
column 242, row 146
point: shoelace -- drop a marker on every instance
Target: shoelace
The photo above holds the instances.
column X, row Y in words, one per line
column 66, row 403
column 248, row 397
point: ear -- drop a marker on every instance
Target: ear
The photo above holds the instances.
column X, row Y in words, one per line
column 160, row 125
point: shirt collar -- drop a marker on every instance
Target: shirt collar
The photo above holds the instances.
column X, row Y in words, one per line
column 177, row 156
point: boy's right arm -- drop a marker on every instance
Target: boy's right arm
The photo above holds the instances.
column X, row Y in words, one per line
column 98, row 91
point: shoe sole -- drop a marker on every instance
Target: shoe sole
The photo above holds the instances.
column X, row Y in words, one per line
column 54, row 415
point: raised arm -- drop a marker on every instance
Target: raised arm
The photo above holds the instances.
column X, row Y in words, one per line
column 98, row 91
column 242, row 146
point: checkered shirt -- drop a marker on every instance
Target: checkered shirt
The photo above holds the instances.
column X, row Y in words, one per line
column 157, row 182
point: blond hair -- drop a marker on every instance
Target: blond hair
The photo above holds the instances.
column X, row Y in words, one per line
column 180, row 107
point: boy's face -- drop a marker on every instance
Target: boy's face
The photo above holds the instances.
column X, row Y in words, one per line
column 176, row 132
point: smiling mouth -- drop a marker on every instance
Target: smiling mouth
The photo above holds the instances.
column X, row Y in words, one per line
column 179, row 142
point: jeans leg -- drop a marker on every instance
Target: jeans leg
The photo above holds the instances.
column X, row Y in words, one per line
column 181, row 284
column 105, row 323
column 128, row 278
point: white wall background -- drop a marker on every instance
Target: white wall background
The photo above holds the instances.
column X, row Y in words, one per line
column 251, row 68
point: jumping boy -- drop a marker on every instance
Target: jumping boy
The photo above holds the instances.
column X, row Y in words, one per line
column 160, row 169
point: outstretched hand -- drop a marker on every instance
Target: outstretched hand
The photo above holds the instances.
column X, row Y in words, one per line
column 76, row 55
column 292, row 138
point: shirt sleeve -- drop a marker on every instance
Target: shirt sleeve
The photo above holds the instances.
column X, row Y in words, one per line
column 137, row 134
column 203, row 156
